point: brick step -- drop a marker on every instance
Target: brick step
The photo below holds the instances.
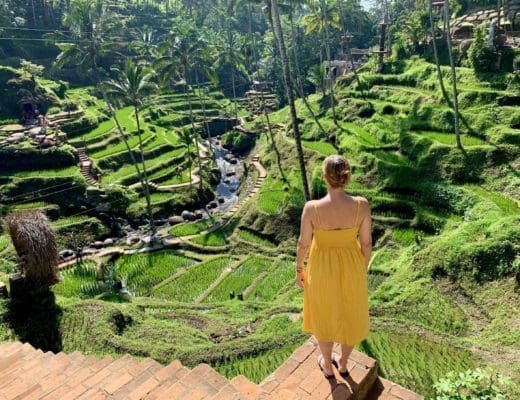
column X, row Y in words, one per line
column 385, row 390
column 30, row 374
column 300, row 378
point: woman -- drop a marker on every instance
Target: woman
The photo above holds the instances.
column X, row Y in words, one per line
column 337, row 230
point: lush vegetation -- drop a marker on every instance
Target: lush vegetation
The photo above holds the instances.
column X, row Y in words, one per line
column 441, row 179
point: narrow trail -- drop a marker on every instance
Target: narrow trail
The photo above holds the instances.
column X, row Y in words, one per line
column 85, row 165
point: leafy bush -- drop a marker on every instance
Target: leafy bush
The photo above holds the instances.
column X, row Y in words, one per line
column 238, row 142
column 482, row 57
column 483, row 250
column 474, row 384
column 30, row 158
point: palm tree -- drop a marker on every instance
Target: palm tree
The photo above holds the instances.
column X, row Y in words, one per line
column 133, row 84
column 146, row 44
column 277, row 27
column 323, row 15
column 187, row 139
column 453, row 72
column 90, row 22
column 182, row 51
column 299, row 79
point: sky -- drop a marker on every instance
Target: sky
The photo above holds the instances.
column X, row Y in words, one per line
column 366, row 3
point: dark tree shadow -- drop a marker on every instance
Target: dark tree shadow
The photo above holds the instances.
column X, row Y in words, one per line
column 35, row 317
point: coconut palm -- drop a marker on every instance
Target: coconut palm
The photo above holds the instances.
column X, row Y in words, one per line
column 181, row 52
column 146, row 44
column 453, row 72
column 322, row 16
column 186, row 138
column 90, row 22
column 133, row 84
column 289, row 88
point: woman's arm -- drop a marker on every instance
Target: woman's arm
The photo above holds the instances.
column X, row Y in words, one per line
column 304, row 243
column 365, row 231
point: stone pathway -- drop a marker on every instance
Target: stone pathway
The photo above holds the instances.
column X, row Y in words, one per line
column 85, row 165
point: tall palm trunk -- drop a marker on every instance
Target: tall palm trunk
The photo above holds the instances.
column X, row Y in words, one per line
column 453, row 73
column 145, row 176
column 202, row 102
column 192, row 122
column 328, row 53
column 349, row 51
column 436, row 54
column 290, row 95
column 299, row 80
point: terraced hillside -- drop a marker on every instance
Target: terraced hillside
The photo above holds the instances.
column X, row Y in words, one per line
column 444, row 279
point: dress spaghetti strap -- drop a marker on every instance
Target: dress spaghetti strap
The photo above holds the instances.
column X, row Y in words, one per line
column 357, row 213
column 317, row 216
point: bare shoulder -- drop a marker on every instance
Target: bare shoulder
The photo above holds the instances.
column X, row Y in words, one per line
column 363, row 203
column 309, row 204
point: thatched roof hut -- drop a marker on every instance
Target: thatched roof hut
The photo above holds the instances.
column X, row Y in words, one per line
column 35, row 243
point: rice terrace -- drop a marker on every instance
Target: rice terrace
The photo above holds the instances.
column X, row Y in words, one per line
column 156, row 157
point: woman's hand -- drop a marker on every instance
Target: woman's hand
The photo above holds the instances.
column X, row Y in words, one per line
column 299, row 279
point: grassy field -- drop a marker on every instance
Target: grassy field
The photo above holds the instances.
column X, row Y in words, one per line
column 240, row 278
column 413, row 360
column 192, row 228
column 188, row 286
column 250, row 237
column 142, row 272
column 269, row 288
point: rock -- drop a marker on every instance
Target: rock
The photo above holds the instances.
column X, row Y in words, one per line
column 97, row 245
column 233, row 161
column 227, row 181
column 231, row 173
column 199, row 214
column 188, row 215
column 213, row 204
column 175, row 220
column 66, row 253
column 133, row 240
column 232, row 190
column 221, row 200
column 108, row 242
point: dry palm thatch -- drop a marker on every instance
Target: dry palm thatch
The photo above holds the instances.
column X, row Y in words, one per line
column 35, row 243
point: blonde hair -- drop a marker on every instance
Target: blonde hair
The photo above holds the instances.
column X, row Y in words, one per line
column 336, row 171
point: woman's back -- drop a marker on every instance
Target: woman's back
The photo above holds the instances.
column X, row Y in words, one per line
column 336, row 214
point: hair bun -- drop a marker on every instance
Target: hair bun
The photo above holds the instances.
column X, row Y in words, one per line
column 336, row 170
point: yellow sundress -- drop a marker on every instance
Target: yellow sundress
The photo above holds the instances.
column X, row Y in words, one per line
column 335, row 296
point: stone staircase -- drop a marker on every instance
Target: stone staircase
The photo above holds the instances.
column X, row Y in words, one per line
column 85, row 165
column 28, row 373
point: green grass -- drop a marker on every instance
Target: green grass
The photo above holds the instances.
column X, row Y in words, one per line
column 45, row 173
column 272, row 197
column 321, row 147
column 272, row 284
column 128, row 170
column 450, row 139
column 119, row 147
column 5, row 242
column 213, row 239
column 404, row 236
column 256, row 367
column 414, row 361
column 143, row 271
column 68, row 221
column 192, row 228
column 83, row 281
column 252, row 238
column 240, row 278
column 507, row 205
column 193, row 282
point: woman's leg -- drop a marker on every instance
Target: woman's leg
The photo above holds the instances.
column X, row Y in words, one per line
column 326, row 352
column 345, row 353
